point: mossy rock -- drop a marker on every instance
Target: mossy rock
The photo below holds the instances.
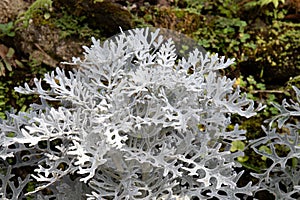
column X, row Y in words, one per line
column 171, row 18
column 104, row 15
column 57, row 34
column 43, row 43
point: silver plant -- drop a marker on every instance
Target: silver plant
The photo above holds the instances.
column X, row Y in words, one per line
column 131, row 122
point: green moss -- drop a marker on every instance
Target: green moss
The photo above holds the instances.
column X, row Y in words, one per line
column 180, row 13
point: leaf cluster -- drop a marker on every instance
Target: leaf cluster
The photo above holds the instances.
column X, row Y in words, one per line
column 126, row 125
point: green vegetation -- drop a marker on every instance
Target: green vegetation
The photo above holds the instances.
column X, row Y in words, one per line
column 7, row 29
column 38, row 7
column 71, row 25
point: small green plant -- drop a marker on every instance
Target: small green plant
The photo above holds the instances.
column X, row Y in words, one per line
column 72, row 25
column 8, row 60
column 7, row 29
column 238, row 145
column 5, row 63
column 37, row 7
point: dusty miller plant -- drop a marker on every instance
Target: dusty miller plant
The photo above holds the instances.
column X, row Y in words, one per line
column 131, row 122
column 282, row 177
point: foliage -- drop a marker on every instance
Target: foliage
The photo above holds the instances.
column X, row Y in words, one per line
column 126, row 125
column 158, row 131
column 133, row 122
column 258, row 36
column 70, row 25
column 259, row 93
column 15, row 71
column 37, row 7
column 251, row 32
column 278, row 48
column 227, row 36
column 9, row 98
column 7, row 29
column 214, row 24
column 281, row 147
